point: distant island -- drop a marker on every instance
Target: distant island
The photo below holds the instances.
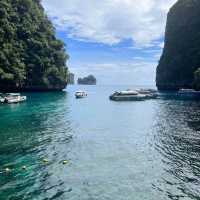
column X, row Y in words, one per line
column 71, row 78
column 89, row 80
column 31, row 58
column 179, row 66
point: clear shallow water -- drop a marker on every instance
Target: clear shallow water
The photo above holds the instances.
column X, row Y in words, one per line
column 116, row 150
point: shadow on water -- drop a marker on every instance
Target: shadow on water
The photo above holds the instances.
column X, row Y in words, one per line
column 30, row 132
column 178, row 142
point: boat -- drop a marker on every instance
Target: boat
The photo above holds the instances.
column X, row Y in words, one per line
column 150, row 93
column 133, row 95
column 12, row 98
column 80, row 94
column 128, row 95
column 190, row 93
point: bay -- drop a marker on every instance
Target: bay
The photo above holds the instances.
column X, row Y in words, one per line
column 115, row 150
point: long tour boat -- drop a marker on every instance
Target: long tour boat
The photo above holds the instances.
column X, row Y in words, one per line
column 133, row 95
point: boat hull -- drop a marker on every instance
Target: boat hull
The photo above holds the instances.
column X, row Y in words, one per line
column 14, row 101
column 11, row 100
column 127, row 98
column 80, row 97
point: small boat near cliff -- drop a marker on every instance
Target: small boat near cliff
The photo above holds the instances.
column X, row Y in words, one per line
column 12, row 98
column 189, row 93
column 133, row 95
column 80, row 94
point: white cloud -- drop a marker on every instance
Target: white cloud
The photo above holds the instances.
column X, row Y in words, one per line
column 110, row 21
column 161, row 45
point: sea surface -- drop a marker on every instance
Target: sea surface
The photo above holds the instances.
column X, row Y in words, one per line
column 148, row 150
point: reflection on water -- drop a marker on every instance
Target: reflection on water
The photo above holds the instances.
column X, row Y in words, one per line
column 178, row 141
column 133, row 150
column 28, row 133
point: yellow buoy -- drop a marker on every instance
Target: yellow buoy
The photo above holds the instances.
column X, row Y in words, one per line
column 45, row 160
column 65, row 162
column 7, row 169
column 24, row 167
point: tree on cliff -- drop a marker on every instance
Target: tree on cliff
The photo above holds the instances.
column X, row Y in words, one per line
column 31, row 57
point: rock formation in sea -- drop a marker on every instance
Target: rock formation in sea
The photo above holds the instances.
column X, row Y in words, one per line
column 70, row 78
column 89, row 80
column 31, row 57
column 181, row 54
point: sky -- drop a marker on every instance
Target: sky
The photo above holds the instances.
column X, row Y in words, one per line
column 118, row 41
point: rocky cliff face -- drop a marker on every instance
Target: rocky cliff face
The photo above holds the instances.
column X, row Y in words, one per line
column 181, row 54
column 71, row 78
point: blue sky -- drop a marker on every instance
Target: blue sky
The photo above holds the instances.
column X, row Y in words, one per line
column 118, row 41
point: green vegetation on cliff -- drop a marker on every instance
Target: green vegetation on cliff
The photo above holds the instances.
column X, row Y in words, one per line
column 31, row 58
column 181, row 54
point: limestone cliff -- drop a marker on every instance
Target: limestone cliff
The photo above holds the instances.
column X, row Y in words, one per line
column 89, row 80
column 181, row 54
column 31, row 58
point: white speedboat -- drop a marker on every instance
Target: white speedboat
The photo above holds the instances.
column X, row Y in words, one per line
column 80, row 94
column 13, row 98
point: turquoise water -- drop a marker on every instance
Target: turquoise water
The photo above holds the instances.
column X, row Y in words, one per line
column 146, row 150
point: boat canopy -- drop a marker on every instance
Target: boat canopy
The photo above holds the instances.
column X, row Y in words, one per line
column 186, row 90
column 129, row 92
column 80, row 91
column 13, row 94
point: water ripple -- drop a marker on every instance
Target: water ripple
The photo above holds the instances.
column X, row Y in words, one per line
column 135, row 150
